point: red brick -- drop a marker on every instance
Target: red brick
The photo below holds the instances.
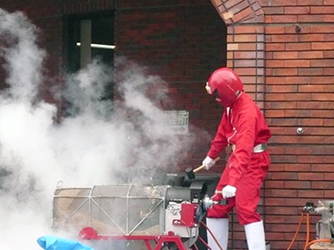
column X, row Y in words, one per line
column 281, row 210
column 328, row 2
column 308, row 2
column 284, row 38
column 245, row 54
column 311, row 159
column 328, row 168
column 276, row 150
column 274, row 184
column 286, row 140
column 328, row 88
column 318, row 105
column 296, row 10
column 297, row 63
column 273, row 10
column 322, row 97
column 285, row 55
column 239, row 7
column 275, row 46
column 256, row 6
column 310, row 18
column 284, row 105
column 283, row 131
column 311, row 37
column 312, row 54
column 302, row 150
column 322, row 10
column 311, row 122
column 275, row 80
column 310, row 88
column 329, row 139
column 322, row 28
column 245, row 29
column 285, row 72
column 248, row 79
column 297, row 184
column 329, row 37
column 282, row 19
column 274, row 113
column 297, row 167
column 246, row 46
column 274, row 30
column 274, row 202
column 297, row 139
column 284, row 193
column 292, row 29
column 328, row 71
column 329, row 159
column 275, row 97
column 328, row 18
column 310, row 71
column 268, row 55
column 329, row 176
column 310, row 193
column 275, row 168
column 282, row 89
column 283, row 2
column 229, row 4
column 328, row 193
column 297, row 113
column 245, row 71
column 297, row 80
column 298, row 46
column 322, row 46
column 275, row 63
column 323, row 79
column 244, row 38
column 284, row 122
column 315, row 105
column 322, row 63
column 321, row 113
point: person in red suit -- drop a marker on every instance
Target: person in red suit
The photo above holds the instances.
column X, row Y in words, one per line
column 244, row 129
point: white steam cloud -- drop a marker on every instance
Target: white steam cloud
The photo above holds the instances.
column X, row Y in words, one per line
column 99, row 142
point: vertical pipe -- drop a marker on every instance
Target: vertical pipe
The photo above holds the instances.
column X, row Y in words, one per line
column 85, row 40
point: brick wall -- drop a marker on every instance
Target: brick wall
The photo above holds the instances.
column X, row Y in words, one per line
column 183, row 43
column 299, row 87
column 297, row 92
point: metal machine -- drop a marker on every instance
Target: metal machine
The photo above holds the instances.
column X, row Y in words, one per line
column 158, row 216
column 325, row 226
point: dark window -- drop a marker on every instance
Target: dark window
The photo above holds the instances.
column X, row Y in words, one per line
column 91, row 37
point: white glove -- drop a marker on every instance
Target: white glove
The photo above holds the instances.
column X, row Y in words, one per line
column 228, row 191
column 208, row 163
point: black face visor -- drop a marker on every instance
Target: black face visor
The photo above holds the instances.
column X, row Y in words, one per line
column 215, row 94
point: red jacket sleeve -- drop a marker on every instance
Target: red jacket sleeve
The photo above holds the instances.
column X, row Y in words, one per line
column 219, row 142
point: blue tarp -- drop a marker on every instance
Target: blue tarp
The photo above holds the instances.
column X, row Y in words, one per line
column 55, row 243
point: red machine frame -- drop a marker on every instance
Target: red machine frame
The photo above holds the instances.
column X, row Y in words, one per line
column 188, row 218
column 89, row 233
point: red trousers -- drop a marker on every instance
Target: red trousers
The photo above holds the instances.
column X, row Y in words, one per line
column 247, row 195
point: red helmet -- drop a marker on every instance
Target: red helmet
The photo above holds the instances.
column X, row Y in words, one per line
column 225, row 83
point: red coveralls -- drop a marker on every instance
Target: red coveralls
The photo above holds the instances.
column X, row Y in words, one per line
column 244, row 126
